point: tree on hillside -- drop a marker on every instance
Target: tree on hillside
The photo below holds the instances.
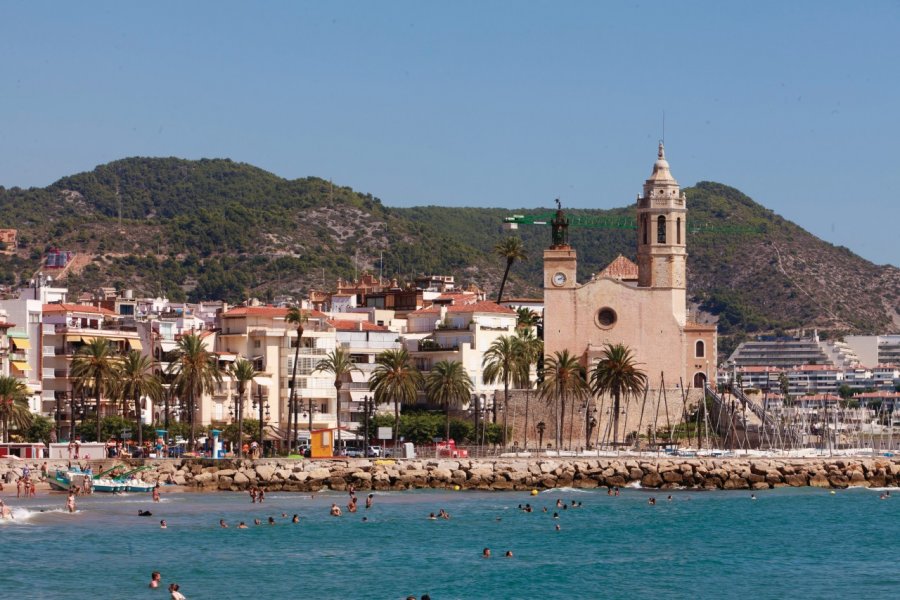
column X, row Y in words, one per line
column 448, row 385
column 13, row 405
column 97, row 367
column 564, row 379
column 617, row 374
column 340, row 364
column 135, row 381
column 395, row 379
column 510, row 249
column 196, row 372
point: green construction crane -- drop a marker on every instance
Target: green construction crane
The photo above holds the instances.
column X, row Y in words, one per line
column 610, row 222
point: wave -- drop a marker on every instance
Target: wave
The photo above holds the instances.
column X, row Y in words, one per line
column 566, row 490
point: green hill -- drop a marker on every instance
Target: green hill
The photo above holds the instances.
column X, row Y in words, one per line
column 218, row 229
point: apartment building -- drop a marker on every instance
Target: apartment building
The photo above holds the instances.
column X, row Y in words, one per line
column 65, row 329
column 459, row 332
column 262, row 335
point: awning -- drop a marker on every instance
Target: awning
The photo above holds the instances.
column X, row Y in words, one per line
column 21, row 343
column 135, row 344
column 20, row 365
column 87, row 339
column 70, row 337
column 168, row 346
column 265, row 381
column 358, row 377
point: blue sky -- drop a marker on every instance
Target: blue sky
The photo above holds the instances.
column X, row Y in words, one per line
column 476, row 103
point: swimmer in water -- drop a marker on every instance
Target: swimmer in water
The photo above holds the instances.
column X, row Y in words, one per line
column 242, row 525
column 223, row 524
column 508, row 554
column 70, row 502
column 486, row 553
column 431, row 517
column 370, row 499
column 145, row 513
column 154, row 579
column 257, row 522
column 335, row 510
column 271, row 520
column 295, row 519
column 162, row 524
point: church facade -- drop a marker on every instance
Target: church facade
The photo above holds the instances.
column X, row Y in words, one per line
column 642, row 305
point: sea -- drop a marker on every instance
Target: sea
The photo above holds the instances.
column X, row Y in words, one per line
column 785, row 543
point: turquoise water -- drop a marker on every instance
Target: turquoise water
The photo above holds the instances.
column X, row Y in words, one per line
column 790, row 543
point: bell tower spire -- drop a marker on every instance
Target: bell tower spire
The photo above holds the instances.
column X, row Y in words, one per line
column 662, row 212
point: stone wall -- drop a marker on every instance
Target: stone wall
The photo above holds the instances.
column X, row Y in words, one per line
column 506, row 474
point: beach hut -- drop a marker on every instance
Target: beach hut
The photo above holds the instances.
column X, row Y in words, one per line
column 23, row 450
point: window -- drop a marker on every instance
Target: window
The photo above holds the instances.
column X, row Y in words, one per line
column 661, row 230
column 678, row 230
column 700, row 349
column 256, row 343
column 644, row 227
column 699, row 380
column 606, row 318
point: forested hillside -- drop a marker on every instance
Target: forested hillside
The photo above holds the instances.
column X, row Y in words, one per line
column 218, row 229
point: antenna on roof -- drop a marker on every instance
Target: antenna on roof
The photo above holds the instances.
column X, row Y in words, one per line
column 664, row 128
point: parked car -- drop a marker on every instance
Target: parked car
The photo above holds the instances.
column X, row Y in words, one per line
column 375, row 451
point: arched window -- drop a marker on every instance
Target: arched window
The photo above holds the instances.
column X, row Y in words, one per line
column 644, row 227
column 700, row 349
column 678, row 230
column 661, row 230
column 699, row 380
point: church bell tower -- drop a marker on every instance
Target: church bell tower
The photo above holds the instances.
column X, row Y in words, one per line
column 661, row 213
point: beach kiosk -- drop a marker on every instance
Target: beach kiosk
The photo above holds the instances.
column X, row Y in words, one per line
column 321, row 443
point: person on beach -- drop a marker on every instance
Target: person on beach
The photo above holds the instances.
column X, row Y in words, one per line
column 154, row 579
column 70, row 502
column 174, row 591
column 260, row 495
column 32, row 489
column 252, row 492
column 335, row 510
column 45, row 471
column 370, row 499
column 156, row 492
column 162, row 524
column 19, row 484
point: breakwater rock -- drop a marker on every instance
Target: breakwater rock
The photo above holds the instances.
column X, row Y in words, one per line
column 507, row 474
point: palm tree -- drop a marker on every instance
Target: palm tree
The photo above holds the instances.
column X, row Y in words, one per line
column 563, row 379
column 135, row 381
column 448, row 385
column 97, row 367
column 526, row 318
column 617, row 374
column 503, row 361
column 339, row 363
column 196, row 373
column 295, row 316
column 395, row 379
column 13, row 405
column 242, row 372
column 532, row 349
column 511, row 249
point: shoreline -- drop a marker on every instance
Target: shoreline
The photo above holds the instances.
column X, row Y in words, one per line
column 500, row 474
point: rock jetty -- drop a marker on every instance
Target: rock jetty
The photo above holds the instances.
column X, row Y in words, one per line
column 508, row 474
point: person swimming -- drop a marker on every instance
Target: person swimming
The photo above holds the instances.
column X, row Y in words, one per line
column 223, row 524
column 335, row 510
column 486, row 553
column 370, row 499
column 162, row 524
column 145, row 513
column 242, row 525
column 271, row 520
column 295, row 519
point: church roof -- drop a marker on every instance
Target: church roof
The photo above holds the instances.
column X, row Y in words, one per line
column 621, row 268
column 661, row 171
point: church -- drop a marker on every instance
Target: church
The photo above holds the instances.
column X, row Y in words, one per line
column 643, row 305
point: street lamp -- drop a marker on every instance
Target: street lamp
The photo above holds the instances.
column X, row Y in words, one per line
column 368, row 408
